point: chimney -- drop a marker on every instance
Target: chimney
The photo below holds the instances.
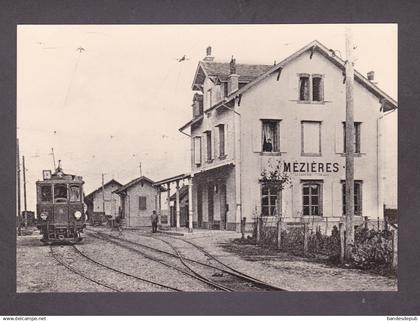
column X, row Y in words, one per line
column 233, row 79
column 371, row 76
column 208, row 57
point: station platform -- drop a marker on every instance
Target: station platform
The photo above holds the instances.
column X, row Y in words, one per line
column 183, row 231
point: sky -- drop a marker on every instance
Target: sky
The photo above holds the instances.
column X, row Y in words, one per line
column 120, row 100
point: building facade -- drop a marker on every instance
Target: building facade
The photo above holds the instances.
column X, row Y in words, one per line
column 138, row 199
column 102, row 202
column 253, row 121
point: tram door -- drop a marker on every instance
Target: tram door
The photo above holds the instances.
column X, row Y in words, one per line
column 199, row 206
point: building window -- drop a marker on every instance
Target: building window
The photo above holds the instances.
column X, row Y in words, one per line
column 311, row 88
column 312, row 198
column 304, row 88
column 357, row 197
column 225, row 89
column 142, row 202
column 356, row 140
column 221, row 140
column 197, row 150
column 269, row 199
column 311, row 138
column 209, row 98
column 197, row 105
column 317, row 88
column 46, row 194
column 209, row 145
column 270, row 136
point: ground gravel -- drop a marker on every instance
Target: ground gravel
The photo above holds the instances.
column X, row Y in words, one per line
column 37, row 271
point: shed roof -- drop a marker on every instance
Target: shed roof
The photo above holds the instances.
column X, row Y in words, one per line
column 135, row 182
column 105, row 185
column 183, row 191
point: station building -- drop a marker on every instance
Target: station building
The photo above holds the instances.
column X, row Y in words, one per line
column 138, row 198
column 249, row 119
column 102, row 203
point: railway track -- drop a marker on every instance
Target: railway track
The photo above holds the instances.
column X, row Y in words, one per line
column 109, row 268
column 235, row 280
column 79, row 273
column 247, row 283
column 224, row 265
column 120, row 242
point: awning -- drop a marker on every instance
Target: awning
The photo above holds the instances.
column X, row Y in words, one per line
column 209, row 170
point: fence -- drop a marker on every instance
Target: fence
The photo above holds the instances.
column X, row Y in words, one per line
column 373, row 247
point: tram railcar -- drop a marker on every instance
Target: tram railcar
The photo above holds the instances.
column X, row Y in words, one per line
column 60, row 207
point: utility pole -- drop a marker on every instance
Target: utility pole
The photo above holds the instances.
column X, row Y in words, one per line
column 53, row 156
column 18, row 187
column 140, row 169
column 24, row 192
column 349, row 143
column 103, row 193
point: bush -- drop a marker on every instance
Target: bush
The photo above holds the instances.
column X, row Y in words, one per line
column 372, row 249
column 324, row 244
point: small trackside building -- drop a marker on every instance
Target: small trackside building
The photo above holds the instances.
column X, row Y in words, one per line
column 102, row 202
column 249, row 119
column 138, row 199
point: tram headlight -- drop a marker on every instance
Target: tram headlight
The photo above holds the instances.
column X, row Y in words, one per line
column 77, row 215
column 44, row 215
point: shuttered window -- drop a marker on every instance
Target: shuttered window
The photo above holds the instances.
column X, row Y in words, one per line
column 142, row 202
column 197, row 150
column 209, row 146
column 356, row 139
column 221, row 140
column 311, row 138
column 357, row 197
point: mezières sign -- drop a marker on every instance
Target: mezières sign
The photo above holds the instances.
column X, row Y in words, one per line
column 313, row 167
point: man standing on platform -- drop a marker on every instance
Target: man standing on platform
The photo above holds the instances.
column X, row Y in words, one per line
column 154, row 219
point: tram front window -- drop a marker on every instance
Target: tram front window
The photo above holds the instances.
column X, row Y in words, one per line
column 46, row 195
column 74, row 193
column 60, row 193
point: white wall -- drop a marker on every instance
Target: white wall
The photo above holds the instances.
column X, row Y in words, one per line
column 112, row 201
column 390, row 139
column 135, row 216
column 272, row 99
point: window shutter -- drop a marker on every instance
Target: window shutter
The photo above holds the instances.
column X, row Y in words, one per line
column 339, row 138
column 256, row 138
column 321, row 89
column 363, row 139
column 197, row 150
column 311, row 137
column 227, row 142
column 204, row 148
column 283, row 141
column 216, row 139
column 142, row 202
